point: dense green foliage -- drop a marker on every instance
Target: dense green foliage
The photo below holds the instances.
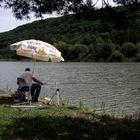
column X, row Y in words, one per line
column 127, row 2
column 108, row 34
column 23, row 9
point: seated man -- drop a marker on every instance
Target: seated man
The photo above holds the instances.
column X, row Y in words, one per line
column 28, row 77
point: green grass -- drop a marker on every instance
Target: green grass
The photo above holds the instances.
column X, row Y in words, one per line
column 64, row 123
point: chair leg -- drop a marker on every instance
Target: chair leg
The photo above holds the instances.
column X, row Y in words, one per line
column 58, row 97
column 28, row 96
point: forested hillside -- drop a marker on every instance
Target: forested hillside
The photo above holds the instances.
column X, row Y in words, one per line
column 108, row 34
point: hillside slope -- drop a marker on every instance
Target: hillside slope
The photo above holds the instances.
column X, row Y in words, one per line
column 119, row 25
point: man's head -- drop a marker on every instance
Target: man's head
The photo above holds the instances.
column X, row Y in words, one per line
column 27, row 69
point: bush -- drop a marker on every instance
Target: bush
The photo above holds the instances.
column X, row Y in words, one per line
column 137, row 58
column 116, row 56
column 129, row 50
column 103, row 49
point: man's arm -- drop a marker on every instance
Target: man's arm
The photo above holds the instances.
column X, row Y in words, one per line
column 38, row 81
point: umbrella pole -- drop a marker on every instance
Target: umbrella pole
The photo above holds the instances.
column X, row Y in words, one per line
column 29, row 95
column 58, row 96
column 29, row 92
column 34, row 66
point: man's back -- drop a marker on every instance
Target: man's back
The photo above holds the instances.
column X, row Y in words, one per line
column 27, row 76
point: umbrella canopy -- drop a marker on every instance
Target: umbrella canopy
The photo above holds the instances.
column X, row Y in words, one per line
column 38, row 50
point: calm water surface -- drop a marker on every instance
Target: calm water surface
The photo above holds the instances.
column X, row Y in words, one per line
column 104, row 87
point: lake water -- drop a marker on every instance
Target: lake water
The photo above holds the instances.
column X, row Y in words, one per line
column 112, row 88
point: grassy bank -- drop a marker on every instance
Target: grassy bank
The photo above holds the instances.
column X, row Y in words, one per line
column 64, row 123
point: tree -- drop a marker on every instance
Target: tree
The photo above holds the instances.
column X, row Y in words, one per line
column 137, row 59
column 138, row 47
column 127, row 2
column 103, row 49
column 116, row 56
column 129, row 49
column 23, row 8
column 81, row 51
column 63, row 47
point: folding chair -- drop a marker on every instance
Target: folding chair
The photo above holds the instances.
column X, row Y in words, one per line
column 23, row 89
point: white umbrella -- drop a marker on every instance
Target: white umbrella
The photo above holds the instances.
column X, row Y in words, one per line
column 38, row 50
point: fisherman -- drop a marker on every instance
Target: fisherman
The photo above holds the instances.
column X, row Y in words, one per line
column 35, row 87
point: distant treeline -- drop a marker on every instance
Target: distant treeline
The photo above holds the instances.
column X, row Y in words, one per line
column 106, row 35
